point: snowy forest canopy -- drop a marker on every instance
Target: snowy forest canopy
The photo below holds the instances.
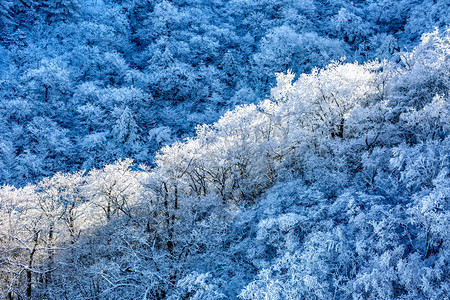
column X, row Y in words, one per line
column 321, row 170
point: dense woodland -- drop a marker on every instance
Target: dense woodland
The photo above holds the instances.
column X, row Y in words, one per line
column 243, row 149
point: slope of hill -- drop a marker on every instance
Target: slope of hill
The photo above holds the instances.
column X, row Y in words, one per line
column 335, row 187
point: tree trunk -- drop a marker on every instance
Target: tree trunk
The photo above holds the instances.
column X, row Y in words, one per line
column 30, row 265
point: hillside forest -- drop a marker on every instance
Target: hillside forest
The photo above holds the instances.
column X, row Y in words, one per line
column 240, row 149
